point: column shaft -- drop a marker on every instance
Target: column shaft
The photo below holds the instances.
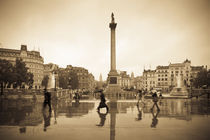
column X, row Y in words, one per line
column 113, row 52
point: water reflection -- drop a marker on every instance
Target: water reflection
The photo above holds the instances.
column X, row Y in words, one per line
column 139, row 116
column 122, row 113
column 113, row 112
column 47, row 118
column 154, row 119
column 102, row 117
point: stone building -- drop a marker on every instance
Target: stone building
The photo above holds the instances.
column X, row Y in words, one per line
column 138, row 83
column 149, row 79
column 124, row 80
column 162, row 75
column 181, row 70
column 33, row 60
column 91, row 82
column 86, row 80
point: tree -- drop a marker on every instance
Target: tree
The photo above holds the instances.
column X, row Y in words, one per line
column 45, row 81
column 30, row 79
column 203, row 78
column 68, row 79
column 6, row 73
column 63, row 81
column 73, row 80
column 21, row 72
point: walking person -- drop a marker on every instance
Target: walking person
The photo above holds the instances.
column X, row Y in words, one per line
column 47, row 99
column 139, row 96
column 155, row 100
column 160, row 97
column 103, row 102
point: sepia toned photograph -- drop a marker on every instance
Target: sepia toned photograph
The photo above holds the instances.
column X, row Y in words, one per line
column 104, row 69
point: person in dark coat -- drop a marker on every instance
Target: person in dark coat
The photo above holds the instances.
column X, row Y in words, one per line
column 155, row 100
column 103, row 102
column 47, row 99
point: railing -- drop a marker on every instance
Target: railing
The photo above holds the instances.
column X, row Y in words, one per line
column 62, row 94
column 32, row 93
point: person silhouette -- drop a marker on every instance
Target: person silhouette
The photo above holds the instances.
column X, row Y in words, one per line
column 47, row 99
column 103, row 118
column 103, row 102
column 139, row 95
column 154, row 119
column 76, row 96
column 77, row 102
column 155, row 100
column 22, row 129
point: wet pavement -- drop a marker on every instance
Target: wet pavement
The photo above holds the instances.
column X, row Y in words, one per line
column 77, row 120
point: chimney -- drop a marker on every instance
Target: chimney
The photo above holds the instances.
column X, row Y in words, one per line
column 23, row 48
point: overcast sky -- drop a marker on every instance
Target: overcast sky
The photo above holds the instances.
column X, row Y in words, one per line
column 76, row 32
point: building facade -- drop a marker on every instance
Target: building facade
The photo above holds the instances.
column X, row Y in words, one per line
column 180, row 71
column 33, row 60
column 162, row 75
column 138, row 83
column 86, row 80
column 149, row 79
column 124, row 80
column 167, row 77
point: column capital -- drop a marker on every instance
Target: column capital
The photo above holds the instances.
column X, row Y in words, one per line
column 112, row 25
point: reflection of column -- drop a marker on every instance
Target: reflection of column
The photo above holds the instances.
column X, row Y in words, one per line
column 113, row 111
column 112, row 126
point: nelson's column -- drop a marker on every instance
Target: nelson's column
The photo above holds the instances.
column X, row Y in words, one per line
column 113, row 77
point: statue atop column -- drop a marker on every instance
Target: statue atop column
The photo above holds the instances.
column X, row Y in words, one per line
column 112, row 18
